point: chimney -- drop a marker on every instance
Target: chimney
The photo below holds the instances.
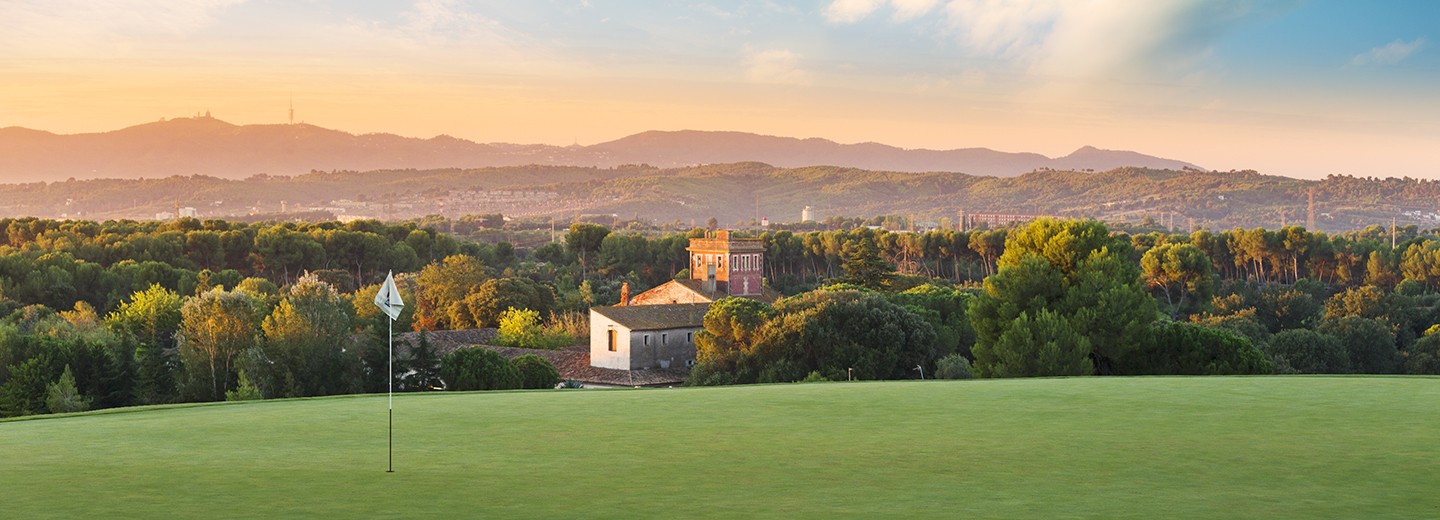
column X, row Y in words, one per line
column 624, row 294
column 709, row 284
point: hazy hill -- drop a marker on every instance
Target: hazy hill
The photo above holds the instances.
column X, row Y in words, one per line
column 209, row 146
column 690, row 147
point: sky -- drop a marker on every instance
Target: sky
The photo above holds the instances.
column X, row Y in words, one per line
column 1298, row 88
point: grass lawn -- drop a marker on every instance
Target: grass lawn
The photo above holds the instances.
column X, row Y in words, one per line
column 1217, row 447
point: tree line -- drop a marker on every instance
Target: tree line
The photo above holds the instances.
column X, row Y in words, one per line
column 149, row 312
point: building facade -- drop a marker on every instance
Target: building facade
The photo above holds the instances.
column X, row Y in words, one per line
column 645, row 336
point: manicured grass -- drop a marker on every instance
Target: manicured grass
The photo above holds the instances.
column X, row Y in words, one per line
column 1296, row 447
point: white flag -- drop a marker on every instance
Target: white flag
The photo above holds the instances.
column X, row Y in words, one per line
column 388, row 299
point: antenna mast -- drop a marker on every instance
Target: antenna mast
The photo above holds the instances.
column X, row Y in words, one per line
column 1310, row 213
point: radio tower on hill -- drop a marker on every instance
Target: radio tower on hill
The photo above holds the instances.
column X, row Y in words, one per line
column 292, row 110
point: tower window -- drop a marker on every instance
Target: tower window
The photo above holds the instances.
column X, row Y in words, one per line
column 612, row 340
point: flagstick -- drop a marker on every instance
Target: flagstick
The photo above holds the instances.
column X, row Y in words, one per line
column 391, row 364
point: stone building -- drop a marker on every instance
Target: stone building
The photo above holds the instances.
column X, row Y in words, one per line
column 656, row 329
column 720, row 266
column 645, row 336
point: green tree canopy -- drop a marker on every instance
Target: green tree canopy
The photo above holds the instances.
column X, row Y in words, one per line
column 1029, row 347
column 304, row 352
column 1369, row 342
column 215, row 327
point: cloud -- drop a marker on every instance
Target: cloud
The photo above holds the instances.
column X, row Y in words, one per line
column 775, row 67
column 1389, row 54
column 82, row 23
column 911, row 9
column 850, row 11
column 1089, row 39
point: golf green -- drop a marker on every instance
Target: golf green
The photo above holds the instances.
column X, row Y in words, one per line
column 1204, row 447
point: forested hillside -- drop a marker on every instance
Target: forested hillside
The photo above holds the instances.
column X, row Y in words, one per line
column 740, row 193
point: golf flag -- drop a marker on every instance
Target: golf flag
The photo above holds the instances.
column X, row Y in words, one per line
column 388, row 299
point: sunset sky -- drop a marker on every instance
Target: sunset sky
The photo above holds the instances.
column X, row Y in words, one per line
column 1295, row 88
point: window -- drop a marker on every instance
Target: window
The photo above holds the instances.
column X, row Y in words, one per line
column 734, row 260
column 612, row 340
column 690, row 337
column 689, row 362
column 647, row 340
column 664, row 339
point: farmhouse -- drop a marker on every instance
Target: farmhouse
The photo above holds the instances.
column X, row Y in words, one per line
column 656, row 329
column 645, row 336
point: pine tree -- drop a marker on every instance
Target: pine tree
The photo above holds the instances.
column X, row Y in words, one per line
column 423, row 366
column 62, row 396
column 865, row 268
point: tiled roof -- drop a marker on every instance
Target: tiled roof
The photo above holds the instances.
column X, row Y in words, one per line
column 766, row 295
column 656, row 317
column 444, row 341
column 573, row 363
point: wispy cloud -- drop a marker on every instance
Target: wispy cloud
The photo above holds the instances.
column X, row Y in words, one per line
column 911, row 9
column 850, row 11
column 70, row 24
column 775, row 67
column 1388, row 54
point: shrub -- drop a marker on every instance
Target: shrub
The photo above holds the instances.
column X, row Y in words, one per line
column 1192, row 349
column 244, row 391
column 1308, row 352
column 575, row 325
column 521, row 328
column 1424, row 356
column 478, row 368
column 815, row 377
column 953, row 366
column 536, row 372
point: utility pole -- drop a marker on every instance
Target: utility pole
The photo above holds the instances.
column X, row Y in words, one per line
column 1310, row 212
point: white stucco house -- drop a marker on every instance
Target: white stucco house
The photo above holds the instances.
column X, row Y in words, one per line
column 643, row 337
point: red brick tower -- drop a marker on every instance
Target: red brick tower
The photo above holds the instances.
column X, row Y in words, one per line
column 736, row 262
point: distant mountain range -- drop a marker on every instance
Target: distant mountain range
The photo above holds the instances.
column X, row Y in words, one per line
column 209, row 146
